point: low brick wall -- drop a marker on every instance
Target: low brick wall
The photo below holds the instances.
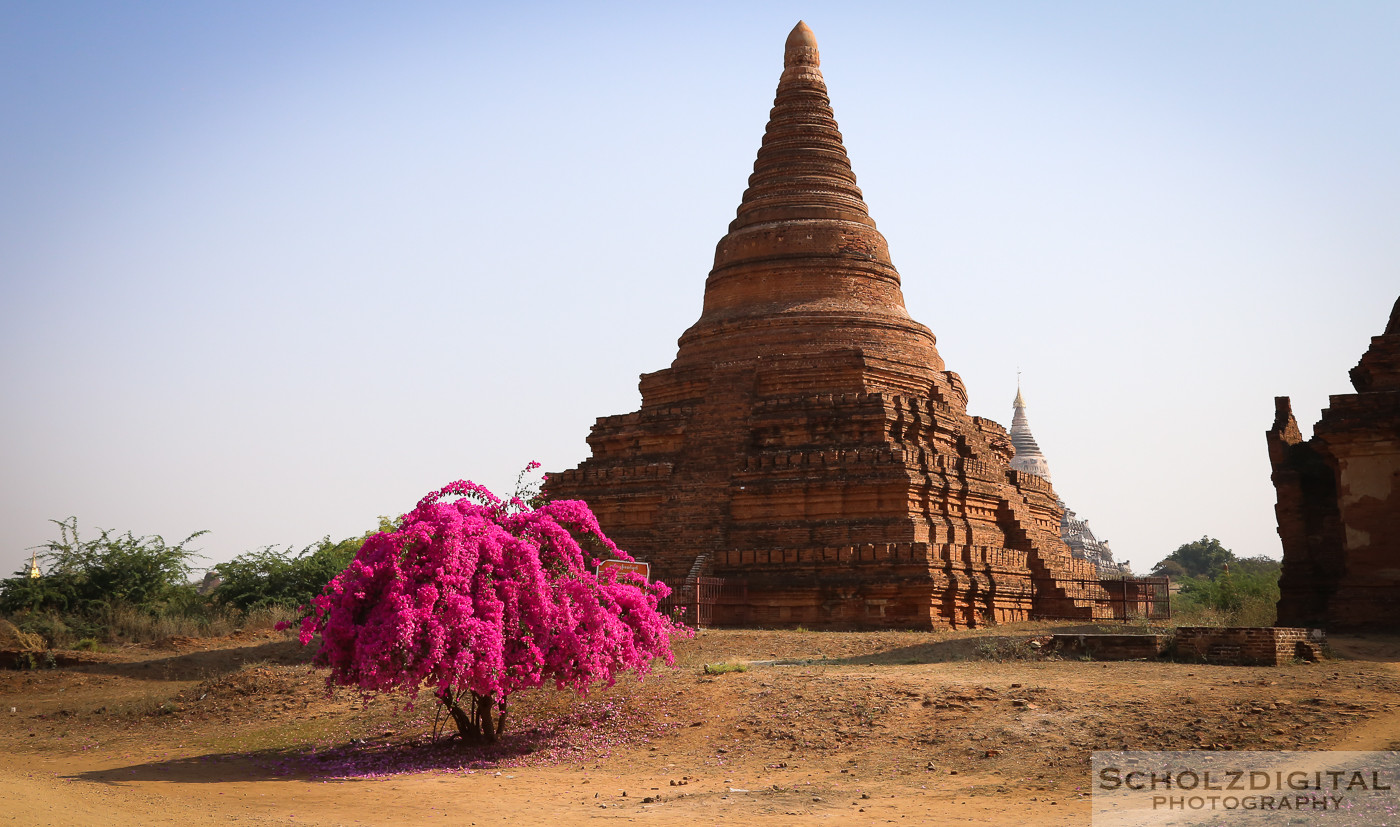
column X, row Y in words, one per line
column 1251, row 646
column 1110, row 647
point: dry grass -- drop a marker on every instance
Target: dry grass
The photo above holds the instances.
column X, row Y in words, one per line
column 122, row 624
column 127, row 625
column 13, row 638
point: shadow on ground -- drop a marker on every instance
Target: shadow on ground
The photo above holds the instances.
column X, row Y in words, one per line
column 201, row 665
column 981, row 647
column 1377, row 648
column 344, row 761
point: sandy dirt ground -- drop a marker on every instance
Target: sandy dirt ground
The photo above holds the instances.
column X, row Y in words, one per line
column 947, row 728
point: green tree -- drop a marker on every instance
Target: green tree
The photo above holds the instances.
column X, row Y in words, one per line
column 21, row 593
column 272, row 577
column 1169, row 568
column 1205, row 557
column 1260, row 566
column 1220, row 586
column 1225, row 595
column 269, row 577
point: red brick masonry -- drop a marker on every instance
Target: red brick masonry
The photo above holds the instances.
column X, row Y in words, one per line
column 1239, row 645
column 1251, row 646
column 1112, row 647
column 807, row 442
column 1339, row 499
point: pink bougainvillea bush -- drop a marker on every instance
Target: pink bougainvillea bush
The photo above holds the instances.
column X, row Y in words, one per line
column 476, row 598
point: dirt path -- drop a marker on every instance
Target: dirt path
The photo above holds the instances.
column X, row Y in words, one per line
column 822, row 728
column 1383, row 731
column 527, row 796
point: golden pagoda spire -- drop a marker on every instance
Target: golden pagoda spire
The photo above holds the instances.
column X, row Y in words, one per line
column 34, row 572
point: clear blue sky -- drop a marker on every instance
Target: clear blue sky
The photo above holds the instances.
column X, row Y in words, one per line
column 273, row 269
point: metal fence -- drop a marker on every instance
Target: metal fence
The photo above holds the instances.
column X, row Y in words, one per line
column 694, row 603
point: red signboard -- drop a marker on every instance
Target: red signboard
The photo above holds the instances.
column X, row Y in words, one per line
column 621, row 566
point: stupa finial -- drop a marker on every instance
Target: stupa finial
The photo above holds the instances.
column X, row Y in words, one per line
column 801, row 47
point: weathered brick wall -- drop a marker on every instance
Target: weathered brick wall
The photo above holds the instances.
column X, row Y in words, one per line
column 1110, row 647
column 824, row 480
column 899, row 586
column 1338, row 502
column 1258, row 646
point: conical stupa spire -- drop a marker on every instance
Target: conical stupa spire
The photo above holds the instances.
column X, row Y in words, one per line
column 1028, row 456
column 802, row 170
column 803, row 270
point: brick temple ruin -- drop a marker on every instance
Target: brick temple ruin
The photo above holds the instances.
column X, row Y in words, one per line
column 807, row 447
column 1339, row 499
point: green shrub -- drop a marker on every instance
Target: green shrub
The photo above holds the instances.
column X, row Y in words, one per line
column 1219, row 588
column 1227, row 599
column 58, row 631
column 723, row 668
column 36, row 660
column 122, row 588
column 80, row 577
column 272, row 577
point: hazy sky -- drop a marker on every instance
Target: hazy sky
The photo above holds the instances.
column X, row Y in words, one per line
column 274, row 269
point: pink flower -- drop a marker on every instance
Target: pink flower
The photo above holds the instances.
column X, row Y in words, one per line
column 488, row 597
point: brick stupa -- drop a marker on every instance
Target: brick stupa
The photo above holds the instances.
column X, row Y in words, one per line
column 807, row 443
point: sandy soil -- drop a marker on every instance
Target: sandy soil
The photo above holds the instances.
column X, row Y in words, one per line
column 823, row 728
